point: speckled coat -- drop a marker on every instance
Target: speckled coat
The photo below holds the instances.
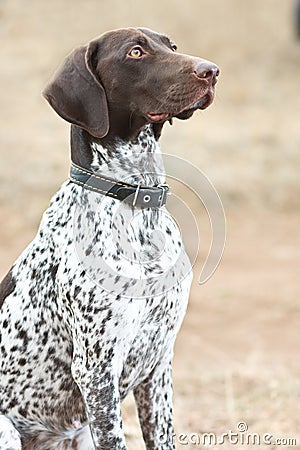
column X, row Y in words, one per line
column 91, row 309
column 70, row 349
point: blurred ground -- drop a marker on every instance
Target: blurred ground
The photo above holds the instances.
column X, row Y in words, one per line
column 237, row 355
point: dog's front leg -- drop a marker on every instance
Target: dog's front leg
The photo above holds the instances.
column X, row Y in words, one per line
column 100, row 390
column 154, row 403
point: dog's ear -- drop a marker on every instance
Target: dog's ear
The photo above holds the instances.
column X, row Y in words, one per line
column 77, row 95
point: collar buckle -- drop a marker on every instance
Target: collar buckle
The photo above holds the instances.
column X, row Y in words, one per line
column 163, row 196
column 136, row 194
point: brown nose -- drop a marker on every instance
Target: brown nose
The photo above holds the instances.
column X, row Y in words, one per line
column 208, row 71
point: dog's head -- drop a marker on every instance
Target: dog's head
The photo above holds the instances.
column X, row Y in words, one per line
column 129, row 77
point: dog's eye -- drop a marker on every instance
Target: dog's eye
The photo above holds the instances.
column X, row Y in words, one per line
column 173, row 46
column 136, row 52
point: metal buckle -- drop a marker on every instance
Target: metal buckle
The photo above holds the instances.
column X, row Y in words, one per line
column 163, row 196
column 161, row 199
column 136, row 194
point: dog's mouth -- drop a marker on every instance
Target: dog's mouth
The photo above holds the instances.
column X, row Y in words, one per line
column 158, row 117
column 202, row 103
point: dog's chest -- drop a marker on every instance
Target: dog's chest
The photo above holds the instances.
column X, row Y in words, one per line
column 133, row 279
column 125, row 251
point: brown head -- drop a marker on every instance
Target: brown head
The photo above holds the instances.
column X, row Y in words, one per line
column 126, row 78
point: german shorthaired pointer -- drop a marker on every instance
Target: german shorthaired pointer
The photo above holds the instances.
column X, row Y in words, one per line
column 91, row 309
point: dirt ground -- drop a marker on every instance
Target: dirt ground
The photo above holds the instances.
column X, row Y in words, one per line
column 237, row 354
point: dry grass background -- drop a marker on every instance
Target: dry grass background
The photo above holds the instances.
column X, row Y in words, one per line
column 237, row 355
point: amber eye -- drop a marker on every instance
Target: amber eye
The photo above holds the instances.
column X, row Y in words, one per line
column 136, row 52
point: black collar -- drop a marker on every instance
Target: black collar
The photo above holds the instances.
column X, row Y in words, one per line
column 137, row 196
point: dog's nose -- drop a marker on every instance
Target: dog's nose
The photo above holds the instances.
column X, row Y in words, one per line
column 207, row 70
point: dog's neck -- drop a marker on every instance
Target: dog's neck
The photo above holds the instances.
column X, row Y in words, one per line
column 134, row 161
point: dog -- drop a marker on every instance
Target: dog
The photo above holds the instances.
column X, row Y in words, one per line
column 91, row 309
